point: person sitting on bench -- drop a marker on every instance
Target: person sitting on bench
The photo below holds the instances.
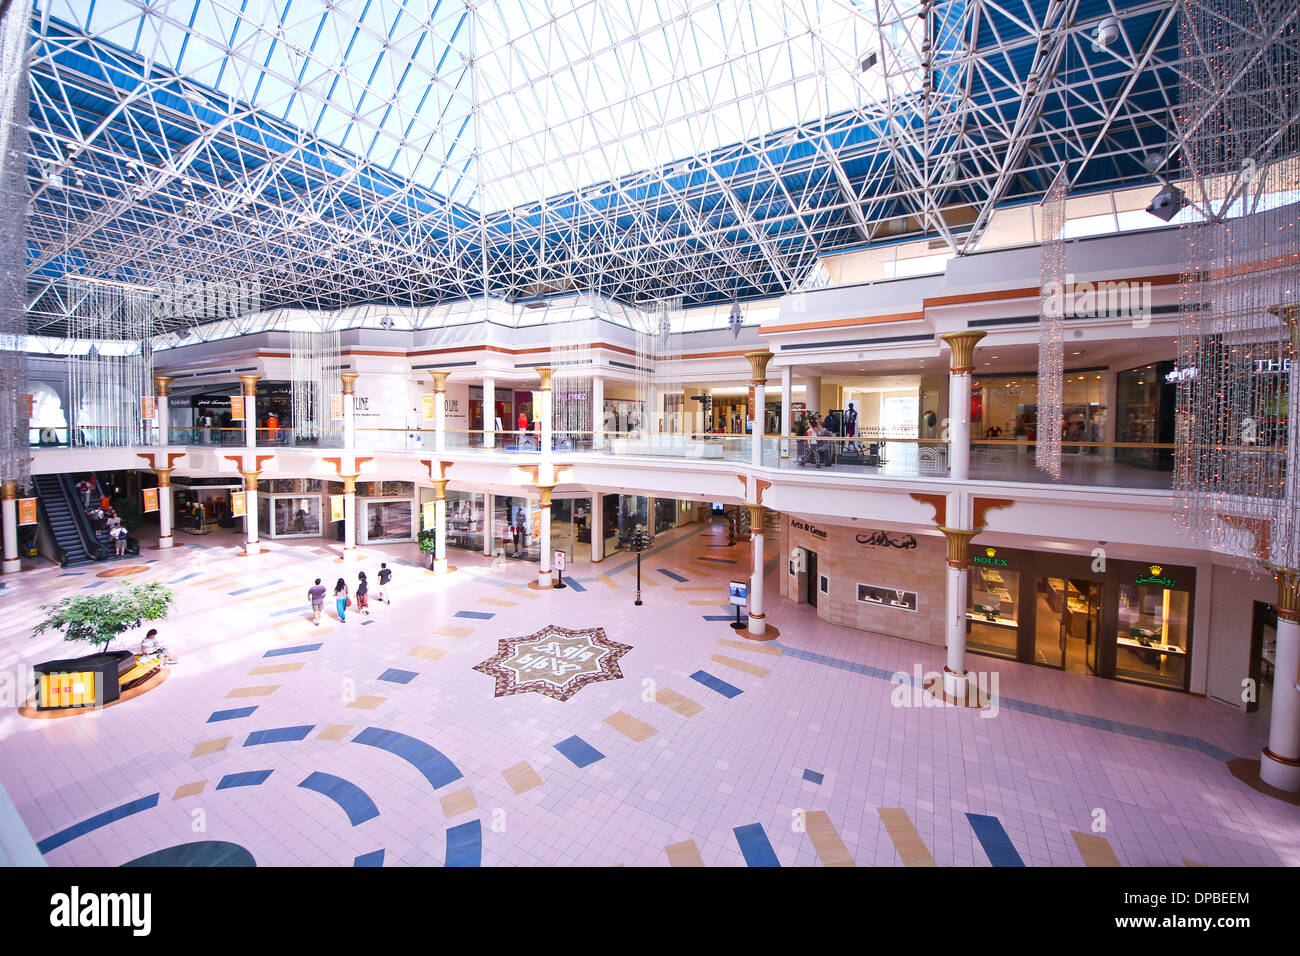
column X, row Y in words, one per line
column 150, row 647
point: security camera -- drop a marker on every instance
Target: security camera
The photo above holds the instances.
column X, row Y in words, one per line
column 1107, row 33
column 1167, row 203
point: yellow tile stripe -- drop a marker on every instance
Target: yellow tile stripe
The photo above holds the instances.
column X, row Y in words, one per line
column 677, row 702
column 826, row 839
column 450, row 630
column 630, row 727
column 750, row 646
column 907, row 841
column 497, row 602
column 277, row 668
column 608, row 580
column 521, row 777
column 745, row 666
column 458, row 802
column 1095, row 850
column 524, row 592
column 1192, row 863
column 715, row 589
column 706, row 603
column 685, row 853
column 334, row 732
column 367, row 702
column 211, row 746
column 264, row 691
column 189, row 790
column 431, row 653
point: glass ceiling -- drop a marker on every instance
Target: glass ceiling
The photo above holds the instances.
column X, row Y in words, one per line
column 497, row 103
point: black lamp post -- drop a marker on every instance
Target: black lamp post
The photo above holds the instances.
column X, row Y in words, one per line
column 639, row 542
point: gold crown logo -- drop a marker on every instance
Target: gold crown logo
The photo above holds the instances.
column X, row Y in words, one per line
column 1156, row 569
column 990, row 551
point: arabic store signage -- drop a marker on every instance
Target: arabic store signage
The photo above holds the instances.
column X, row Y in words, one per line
column 989, row 557
column 798, row 525
column 1155, row 577
column 885, row 539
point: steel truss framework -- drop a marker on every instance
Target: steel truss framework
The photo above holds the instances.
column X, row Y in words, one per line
column 414, row 152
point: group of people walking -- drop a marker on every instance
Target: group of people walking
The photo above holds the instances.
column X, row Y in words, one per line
column 343, row 596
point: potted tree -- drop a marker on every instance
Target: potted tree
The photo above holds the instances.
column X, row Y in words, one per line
column 99, row 619
column 428, row 542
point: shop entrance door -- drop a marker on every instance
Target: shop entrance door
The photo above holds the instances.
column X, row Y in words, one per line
column 1067, row 624
column 811, row 593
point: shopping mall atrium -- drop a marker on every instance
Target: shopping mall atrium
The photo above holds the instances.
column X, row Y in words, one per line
column 754, row 432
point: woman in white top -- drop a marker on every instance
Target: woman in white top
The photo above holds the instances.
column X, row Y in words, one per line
column 150, row 646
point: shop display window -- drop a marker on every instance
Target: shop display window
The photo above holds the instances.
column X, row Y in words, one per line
column 991, row 616
column 297, row 516
column 1152, row 639
column 388, row 521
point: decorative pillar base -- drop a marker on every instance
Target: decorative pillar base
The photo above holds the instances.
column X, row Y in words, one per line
column 11, row 565
column 956, row 684
column 1279, row 772
column 757, row 625
column 544, row 579
column 440, row 566
column 252, row 547
column 166, row 541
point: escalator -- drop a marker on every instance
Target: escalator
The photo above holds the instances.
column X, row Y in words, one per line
column 67, row 521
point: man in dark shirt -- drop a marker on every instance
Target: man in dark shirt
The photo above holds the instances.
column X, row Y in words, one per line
column 385, row 587
column 316, row 594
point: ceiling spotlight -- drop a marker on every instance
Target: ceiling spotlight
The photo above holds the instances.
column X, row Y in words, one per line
column 736, row 320
column 1107, row 33
column 1167, row 203
column 868, row 62
column 1153, row 161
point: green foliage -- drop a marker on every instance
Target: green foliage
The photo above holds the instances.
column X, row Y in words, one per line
column 427, row 540
column 100, row 618
column 128, row 509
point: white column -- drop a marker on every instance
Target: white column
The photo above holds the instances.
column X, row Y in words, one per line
column 962, row 345
column 250, row 410
column 440, row 529
column 812, row 395
column 440, row 411
column 1279, row 763
column 757, row 619
column 597, row 412
column 251, row 543
column 165, row 539
column 9, row 516
column 162, row 386
column 785, row 409
column 544, row 569
column 544, row 399
column 954, row 674
column 489, row 415
column 597, row 527
column 760, row 419
column 349, row 515
column 489, row 504
column 349, row 416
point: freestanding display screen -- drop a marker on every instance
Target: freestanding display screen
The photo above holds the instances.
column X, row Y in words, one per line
column 738, row 592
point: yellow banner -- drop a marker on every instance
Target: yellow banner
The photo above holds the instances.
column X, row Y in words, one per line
column 237, row 408
column 27, row 511
column 537, row 524
column 150, row 499
column 237, row 504
column 336, row 407
column 148, row 407
column 336, row 508
column 428, row 407
column 429, row 512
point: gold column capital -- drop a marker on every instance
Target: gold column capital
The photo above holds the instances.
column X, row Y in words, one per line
column 250, row 480
column 9, row 489
column 1289, row 313
column 963, row 349
column 1288, row 592
column 545, row 492
column 349, row 381
column 250, row 384
column 756, row 515
column 162, row 385
column 545, row 375
column 350, row 483
column 959, row 546
column 758, row 366
column 164, row 477
column 440, row 381
column 440, row 489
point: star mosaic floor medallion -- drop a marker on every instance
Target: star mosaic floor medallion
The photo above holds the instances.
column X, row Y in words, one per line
column 555, row 661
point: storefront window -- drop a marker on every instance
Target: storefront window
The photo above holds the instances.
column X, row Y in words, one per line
column 388, row 521
column 1006, row 407
column 517, row 524
column 1152, row 642
column 991, row 622
column 297, row 516
column 464, row 520
column 1146, row 415
column 665, row 514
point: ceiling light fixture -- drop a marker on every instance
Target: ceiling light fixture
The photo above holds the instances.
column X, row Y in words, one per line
column 868, row 62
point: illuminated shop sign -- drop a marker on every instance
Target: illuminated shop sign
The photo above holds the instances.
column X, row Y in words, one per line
column 1259, row 366
column 1155, row 577
column 990, row 558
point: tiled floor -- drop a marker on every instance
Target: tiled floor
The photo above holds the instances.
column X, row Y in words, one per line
column 650, row 769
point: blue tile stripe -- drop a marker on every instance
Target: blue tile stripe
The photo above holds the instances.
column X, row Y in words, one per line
column 716, row 684
column 56, row 840
column 296, row 609
column 755, row 846
column 231, row 714
column 185, row 577
column 671, row 574
column 373, row 858
column 255, row 587
column 395, row 676
column 723, row 617
column 278, row 735
column 300, row 649
column 573, row 583
column 430, row 762
column 581, row 753
column 1038, row 710
column 480, row 615
column 351, row 799
column 465, row 844
column 717, row 560
column 250, row 778
column 994, row 839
